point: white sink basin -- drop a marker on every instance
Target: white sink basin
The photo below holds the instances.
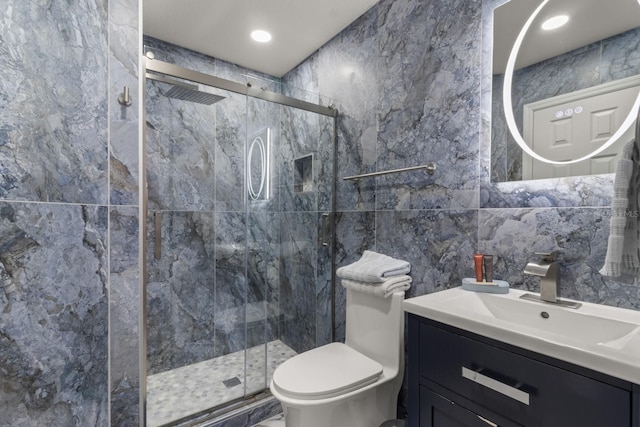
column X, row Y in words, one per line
column 599, row 337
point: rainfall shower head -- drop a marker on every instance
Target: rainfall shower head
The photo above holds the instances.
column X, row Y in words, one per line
column 186, row 92
column 192, row 94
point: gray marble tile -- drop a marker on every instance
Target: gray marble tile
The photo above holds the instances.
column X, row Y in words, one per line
column 345, row 69
column 124, row 162
column 438, row 244
column 180, row 291
column 585, row 191
column 428, row 109
column 125, row 407
column 305, row 168
column 581, row 236
column 273, row 274
column 53, row 314
column 355, row 233
column 620, row 56
column 298, row 273
column 180, row 152
column 124, row 226
column 53, row 138
column 124, row 296
column 124, row 121
column 231, row 282
column 231, row 135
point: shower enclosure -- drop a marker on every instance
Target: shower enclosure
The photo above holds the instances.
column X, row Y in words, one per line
column 239, row 257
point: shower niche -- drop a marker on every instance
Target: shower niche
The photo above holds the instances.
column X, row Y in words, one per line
column 240, row 283
column 303, row 174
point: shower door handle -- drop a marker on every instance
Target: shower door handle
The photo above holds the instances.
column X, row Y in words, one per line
column 158, row 246
column 325, row 229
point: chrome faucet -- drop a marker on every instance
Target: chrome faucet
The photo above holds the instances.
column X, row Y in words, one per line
column 547, row 268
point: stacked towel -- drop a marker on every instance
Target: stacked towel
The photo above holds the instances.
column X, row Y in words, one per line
column 373, row 267
column 376, row 274
column 381, row 289
column 623, row 251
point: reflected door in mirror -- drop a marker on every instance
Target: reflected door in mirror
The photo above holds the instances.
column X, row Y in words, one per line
column 576, row 124
column 598, row 45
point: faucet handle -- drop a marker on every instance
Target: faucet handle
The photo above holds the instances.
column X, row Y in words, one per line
column 548, row 256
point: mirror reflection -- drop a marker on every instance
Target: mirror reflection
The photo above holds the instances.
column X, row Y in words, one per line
column 572, row 89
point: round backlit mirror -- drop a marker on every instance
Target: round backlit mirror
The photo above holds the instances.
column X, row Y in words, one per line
column 538, row 18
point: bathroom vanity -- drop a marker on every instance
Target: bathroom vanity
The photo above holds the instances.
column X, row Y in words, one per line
column 482, row 360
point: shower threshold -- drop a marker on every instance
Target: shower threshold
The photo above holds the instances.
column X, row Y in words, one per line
column 183, row 392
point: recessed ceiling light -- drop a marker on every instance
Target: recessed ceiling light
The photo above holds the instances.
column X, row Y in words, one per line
column 261, row 36
column 555, row 22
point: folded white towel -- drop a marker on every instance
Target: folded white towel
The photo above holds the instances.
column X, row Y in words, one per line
column 382, row 289
column 623, row 251
column 373, row 267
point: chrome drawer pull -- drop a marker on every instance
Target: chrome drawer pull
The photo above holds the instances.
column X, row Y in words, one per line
column 494, row 385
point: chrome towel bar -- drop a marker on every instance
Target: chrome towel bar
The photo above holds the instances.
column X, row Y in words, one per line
column 429, row 167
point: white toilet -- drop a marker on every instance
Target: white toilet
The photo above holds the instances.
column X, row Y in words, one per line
column 355, row 384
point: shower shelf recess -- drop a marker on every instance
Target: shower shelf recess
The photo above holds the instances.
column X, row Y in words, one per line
column 303, row 174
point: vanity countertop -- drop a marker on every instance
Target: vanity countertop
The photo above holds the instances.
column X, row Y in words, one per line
column 599, row 337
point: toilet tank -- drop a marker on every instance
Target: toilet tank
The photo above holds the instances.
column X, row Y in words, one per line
column 375, row 327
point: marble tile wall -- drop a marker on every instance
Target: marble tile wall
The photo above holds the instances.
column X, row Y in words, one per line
column 68, row 214
column 419, row 89
column 305, row 277
column 411, row 86
column 54, row 112
column 54, row 309
column 124, row 226
column 53, row 256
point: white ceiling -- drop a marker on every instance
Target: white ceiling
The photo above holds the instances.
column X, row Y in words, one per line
column 221, row 28
column 590, row 21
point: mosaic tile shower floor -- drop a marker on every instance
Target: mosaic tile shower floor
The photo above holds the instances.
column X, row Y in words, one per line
column 181, row 392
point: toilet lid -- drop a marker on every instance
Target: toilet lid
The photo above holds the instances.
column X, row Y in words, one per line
column 325, row 371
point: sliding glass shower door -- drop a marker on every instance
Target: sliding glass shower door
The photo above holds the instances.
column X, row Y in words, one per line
column 238, row 249
column 196, row 252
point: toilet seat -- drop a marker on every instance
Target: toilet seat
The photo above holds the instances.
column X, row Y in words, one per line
column 324, row 372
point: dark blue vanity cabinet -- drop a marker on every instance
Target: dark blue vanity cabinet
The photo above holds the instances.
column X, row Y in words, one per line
column 460, row 379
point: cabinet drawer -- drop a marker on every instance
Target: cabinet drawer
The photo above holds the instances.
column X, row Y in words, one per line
column 437, row 411
column 524, row 390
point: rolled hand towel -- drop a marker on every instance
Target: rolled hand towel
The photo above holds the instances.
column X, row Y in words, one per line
column 373, row 267
column 381, row 289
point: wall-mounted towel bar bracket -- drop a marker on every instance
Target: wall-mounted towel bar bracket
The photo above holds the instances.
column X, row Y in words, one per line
column 430, row 168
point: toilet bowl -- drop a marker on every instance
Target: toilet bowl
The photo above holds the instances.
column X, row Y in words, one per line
column 355, row 384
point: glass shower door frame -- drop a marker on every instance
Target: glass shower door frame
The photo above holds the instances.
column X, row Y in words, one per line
column 163, row 68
